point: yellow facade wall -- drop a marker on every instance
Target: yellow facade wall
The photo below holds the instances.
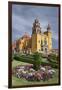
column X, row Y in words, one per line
column 36, row 42
column 49, row 41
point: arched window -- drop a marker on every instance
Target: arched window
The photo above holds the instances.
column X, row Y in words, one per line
column 45, row 49
column 41, row 42
column 45, row 42
column 42, row 49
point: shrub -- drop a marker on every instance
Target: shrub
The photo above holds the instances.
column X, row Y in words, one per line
column 23, row 58
column 37, row 60
column 53, row 56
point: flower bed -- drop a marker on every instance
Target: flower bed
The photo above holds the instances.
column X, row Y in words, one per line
column 27, row 72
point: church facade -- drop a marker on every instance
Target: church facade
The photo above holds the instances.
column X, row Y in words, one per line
column 38, row 42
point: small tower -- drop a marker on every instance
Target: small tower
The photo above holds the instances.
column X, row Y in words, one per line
column 36, row 36
column 49, row 37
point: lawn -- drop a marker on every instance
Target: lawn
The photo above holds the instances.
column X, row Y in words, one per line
column 16, row 63
column 18, row 82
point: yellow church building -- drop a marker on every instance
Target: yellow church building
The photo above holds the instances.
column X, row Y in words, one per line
column 38, row 42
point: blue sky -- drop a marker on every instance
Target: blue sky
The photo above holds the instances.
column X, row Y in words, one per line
column 23, row 17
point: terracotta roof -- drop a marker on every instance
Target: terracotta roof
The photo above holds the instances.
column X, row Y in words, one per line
column 26, row 35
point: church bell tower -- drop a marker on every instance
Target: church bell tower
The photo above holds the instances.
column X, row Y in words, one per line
column 36, row 36
column 49, row 37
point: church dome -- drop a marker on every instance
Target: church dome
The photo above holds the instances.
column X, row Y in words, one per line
column 26, row 35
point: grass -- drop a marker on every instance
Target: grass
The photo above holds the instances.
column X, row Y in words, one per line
column 16, row 63
column 20, row 82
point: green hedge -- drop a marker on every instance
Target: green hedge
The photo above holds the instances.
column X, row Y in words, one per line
column 30, row 59
column 23, row 59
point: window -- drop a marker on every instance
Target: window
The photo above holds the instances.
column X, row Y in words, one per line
column 45, row 49
column 45, row 42
column 42, row 49
column 39, row 50
column 39, row 41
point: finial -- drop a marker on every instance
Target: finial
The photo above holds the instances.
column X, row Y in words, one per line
column 37, row 19
column 48, row 27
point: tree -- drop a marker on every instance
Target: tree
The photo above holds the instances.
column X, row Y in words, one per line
column 37, row 60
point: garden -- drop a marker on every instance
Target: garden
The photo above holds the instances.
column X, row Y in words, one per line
column 34, row 69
